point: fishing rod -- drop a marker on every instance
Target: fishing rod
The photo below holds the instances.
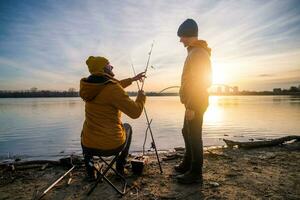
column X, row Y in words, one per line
column 146, row 115
column 153, row 142
column 147, row 65
column 40, row 196
column 146, row 135
column 137, row 83
column 148, row 124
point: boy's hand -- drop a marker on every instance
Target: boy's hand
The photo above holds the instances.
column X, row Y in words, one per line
column 139, row 77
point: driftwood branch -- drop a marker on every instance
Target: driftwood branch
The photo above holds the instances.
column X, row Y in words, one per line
column 23, row 165
column 256, row 144
column 30, row 164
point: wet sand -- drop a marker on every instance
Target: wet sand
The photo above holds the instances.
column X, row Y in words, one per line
column 262, row 173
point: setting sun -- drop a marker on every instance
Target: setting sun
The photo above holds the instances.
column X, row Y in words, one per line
column 219, row 73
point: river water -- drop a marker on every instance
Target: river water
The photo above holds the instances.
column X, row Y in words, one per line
column 48, row 128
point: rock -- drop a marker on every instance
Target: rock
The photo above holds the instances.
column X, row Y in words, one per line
column 267, row 156
column 11, row 167
column 44, row 166
column 253, row 162
column 171, row 156
column 146, row 193
column 232, row 174
column 69, row 181
column 68, row 161
column 167, row 196
column 143, row 183
column 260, row 138
column 236, row 169
column 162, row 184
column 214, row 184
column 179, row 148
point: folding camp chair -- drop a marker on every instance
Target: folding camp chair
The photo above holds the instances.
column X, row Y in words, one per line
column 106, row 166
column 101, row 174
column 117, row 156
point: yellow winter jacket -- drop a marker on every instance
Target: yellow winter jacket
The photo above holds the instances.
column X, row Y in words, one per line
column 196, row 77
column 105, row 99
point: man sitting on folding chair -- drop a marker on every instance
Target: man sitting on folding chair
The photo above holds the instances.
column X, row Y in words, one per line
column 103, row 133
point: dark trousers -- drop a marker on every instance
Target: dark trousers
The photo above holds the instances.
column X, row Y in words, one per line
column 88, row 153
column 192, row 135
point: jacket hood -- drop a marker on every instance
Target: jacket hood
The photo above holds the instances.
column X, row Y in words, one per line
column 90, row 87
column 202, row 44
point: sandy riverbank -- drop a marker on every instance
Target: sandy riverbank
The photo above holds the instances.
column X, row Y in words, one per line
column 262, row 173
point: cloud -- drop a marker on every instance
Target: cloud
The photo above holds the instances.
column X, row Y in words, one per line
column 48, row 42
column 265, row 75
column 33, row 76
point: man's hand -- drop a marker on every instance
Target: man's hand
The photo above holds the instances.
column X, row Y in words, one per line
column 189, row 114
column 139, row 77
column 141, row 92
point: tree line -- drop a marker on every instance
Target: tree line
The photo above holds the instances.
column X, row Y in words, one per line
column 41, row 93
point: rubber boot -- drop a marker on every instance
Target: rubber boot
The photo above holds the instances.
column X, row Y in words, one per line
column 194, row 175
column 90, row 171
column 122, row 159
column 120, row 168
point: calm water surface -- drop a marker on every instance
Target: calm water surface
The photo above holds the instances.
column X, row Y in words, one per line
column 49, row 128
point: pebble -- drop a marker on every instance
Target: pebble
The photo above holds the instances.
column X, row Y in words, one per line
column 214, row 184
column 232, row 174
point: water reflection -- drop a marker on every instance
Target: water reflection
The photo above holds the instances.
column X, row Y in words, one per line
column 48, row 126
column 214, row 112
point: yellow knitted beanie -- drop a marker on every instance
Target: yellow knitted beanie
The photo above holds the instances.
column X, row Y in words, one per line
column 96, row 64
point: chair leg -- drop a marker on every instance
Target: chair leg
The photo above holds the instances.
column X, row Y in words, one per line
column 102, row 176
column 121, row 191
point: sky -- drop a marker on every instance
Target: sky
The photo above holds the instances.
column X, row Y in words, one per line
column 44, row 44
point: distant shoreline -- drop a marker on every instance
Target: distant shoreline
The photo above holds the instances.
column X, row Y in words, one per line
column 34, row 93
column 149, row 94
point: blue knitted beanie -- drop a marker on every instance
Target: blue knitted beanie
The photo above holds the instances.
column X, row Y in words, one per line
column 188, row 28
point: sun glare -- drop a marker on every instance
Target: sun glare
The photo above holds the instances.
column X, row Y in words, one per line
column 214, row 113
column 218, row 73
